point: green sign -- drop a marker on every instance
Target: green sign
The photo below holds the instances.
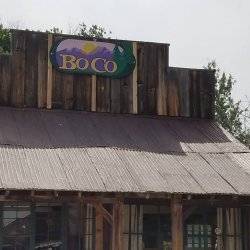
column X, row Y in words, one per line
column 114, row 60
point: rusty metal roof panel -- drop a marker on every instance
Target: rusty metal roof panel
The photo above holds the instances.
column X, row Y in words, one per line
column 112, row 170
column 187, row 133
column 178, row 178
column 209, row 180
column 64, row 150
column 243, row 159
column 46, row 169
column 15, row 174
column 9, row 134
column 219, row 136
column 79, row 170
column 231, row 171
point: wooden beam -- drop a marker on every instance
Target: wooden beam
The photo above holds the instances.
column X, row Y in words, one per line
column 135, row 88
column 106, row 215
column 49, row 75
column 117, row 235
column 93, row 93
column 99, row 227
column 177, row 223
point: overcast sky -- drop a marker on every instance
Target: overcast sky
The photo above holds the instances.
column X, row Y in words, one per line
column 197, row 30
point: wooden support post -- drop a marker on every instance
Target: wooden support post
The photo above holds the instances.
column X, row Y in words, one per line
column 177, row 223
column 93, row 93
column 117, row 239
column 99, row 227
column 49, row 75
column 135, row 90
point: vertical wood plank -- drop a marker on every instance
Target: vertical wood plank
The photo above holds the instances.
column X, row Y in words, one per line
column 162, row 55
column 5, row 79
column 220, row 229
column 99, row 228
column 42, row 71
column 68, row 91
column 195, row 94
column 31, row 70
column 115, row 95
column 147, row 78
column 117, row 238
column 183, row 89
column 93, row 93
column 103, row 100
column 177, row 223
column 18, row 68
column 126, row 95
column 135, row 87
column 49, row 75
column 82, row 92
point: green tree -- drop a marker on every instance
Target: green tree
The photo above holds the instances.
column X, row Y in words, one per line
column 85, row 31
column 55, row 30
column 4, row 40
column 92, row 31
column 228, row 112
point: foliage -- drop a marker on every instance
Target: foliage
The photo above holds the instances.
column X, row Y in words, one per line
column 229, row 113
column 4, row 40
column 92, row 31
column 54, row 30
column 85, row 31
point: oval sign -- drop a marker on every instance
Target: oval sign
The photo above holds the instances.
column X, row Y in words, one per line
column 94, row 58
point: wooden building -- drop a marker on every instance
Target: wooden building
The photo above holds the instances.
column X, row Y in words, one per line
column 96, row 162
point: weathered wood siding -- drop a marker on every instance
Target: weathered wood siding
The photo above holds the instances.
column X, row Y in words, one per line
column 190, row 93
column 153, row 88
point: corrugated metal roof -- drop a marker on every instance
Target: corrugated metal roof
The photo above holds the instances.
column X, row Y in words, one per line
column 69, row 150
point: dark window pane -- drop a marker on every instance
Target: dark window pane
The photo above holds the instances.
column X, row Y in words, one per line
column 9, row 214
column 15, row 222
column 48, row 226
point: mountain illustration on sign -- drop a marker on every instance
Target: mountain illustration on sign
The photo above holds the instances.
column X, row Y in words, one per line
column 99, row 52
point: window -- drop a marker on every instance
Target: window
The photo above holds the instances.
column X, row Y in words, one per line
column 156, row 228
column 199, row 230
column 133, row 227
column 199, row 236
column 48, row 226
column 16, row 227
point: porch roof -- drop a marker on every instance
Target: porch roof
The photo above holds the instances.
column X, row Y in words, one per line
column 80, row 151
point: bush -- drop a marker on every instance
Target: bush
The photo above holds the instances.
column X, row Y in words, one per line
column 4, row 40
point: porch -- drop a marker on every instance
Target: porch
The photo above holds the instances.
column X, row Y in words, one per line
column 129, row 222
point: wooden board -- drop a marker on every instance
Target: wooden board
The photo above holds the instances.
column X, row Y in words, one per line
column 5, row 79
column 103, row 101
column 99, row 228
column 117, row 238
column 49, row 75
column 82, row 92
column 28, row 80
column 42, row 70
column 18, row 69
column 177, row 223
column 31, row 70
column 147, row 78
